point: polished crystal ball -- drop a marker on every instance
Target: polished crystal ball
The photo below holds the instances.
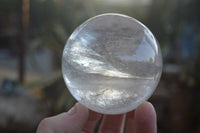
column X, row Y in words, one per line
column 112, row 63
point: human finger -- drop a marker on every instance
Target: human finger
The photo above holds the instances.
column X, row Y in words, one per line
column 145, row 118
column 112, row 124
column 130, row 125
column 92, row 122
column 70, row 122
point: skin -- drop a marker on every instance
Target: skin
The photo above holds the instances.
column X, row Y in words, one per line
column 81, row 120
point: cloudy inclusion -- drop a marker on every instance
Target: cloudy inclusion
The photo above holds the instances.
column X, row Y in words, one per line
column 111, row 63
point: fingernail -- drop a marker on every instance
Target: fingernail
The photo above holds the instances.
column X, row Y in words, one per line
column 72, row 110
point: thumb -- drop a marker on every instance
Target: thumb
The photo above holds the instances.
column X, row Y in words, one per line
column 70, row 122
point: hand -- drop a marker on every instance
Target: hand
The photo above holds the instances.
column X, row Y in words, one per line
column 81, row 120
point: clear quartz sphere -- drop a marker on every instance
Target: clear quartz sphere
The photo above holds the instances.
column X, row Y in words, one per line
column 112, row 63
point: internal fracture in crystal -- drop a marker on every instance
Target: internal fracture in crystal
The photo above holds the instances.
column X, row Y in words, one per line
column 112, row 63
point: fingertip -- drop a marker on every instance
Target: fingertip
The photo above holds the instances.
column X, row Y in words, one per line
column 146, row 107
column 79, row 116
column 145, row 116
column 82, row 109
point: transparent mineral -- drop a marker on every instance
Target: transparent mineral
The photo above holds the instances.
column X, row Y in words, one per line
column 112, row 63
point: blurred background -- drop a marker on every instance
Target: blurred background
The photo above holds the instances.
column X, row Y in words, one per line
column 34, row 32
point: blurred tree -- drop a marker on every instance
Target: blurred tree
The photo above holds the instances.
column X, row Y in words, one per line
column 22, row 39
column 52, row 21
